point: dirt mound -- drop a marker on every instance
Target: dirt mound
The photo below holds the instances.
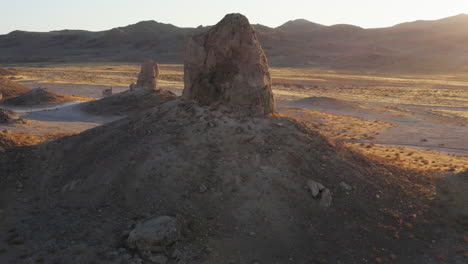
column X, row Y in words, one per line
column 128, row 102
column 42, row 97
column 326, row 103
column 237, row 183
column 9, row 88
column 7, row 116
column 7, row 72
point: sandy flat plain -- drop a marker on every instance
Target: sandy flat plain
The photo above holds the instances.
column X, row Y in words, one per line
column 417, row 121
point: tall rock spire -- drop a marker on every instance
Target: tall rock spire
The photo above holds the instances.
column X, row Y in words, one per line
column 226, row 65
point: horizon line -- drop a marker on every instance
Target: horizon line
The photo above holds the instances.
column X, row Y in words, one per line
column 193, row 27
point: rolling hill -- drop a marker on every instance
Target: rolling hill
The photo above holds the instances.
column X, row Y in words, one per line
column 420, row 46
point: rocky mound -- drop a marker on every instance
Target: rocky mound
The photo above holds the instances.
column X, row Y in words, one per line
column 226, row 65
column 128, row 102
column 142, row 96
column 234, row 184
column 42, row 97
column 7, row 116
column 9, row 88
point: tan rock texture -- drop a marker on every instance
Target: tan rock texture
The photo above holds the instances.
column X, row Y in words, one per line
column 227, row 66
column 148, row 77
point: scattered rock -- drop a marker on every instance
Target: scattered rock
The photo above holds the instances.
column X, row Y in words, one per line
column 345, row 187
column 152, row 236
column 158, row 259
column 320, row 192
column 136, row 261
column 315, row 188
column 107, row 92
column 148, row 77
column 227, row 66
column 202, row 188
column 325, row 198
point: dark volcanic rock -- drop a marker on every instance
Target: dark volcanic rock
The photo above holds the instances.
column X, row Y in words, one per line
column 148, row 77
column 226, row 65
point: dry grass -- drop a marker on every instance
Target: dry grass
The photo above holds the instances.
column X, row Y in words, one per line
column 437, row 90
column 354, row 131
column 121, row 75
column 16, row 139
column 463, row 115
column 419, row 159
column 292, row 84
column 340, row 127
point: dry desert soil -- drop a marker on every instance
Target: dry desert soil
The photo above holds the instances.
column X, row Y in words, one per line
column 398, row 124
column 418, row 121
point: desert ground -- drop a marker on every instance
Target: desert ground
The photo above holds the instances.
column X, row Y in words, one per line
column 224, row 160
column 416, row 121
column 397, row 135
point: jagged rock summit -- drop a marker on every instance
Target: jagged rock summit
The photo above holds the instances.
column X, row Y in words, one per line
column 227, row 66
column 148, row 77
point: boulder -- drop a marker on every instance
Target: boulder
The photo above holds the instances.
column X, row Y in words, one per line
column 345, row 187
column 148, row 76
column 315, row 188
column 320, row 192
column 151, row 237
column 325, row 198
column 227, row 66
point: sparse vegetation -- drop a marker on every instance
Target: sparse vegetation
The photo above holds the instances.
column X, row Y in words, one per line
column 16, row 139
column 290, row 84
column 386, row 171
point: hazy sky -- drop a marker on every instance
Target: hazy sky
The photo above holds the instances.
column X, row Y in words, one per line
column 46, row 15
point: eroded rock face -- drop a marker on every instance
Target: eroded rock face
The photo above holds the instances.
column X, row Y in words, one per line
column 226, row 65
column 148, row 77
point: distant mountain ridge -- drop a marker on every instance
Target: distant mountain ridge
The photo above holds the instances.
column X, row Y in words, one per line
column 432, row 45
